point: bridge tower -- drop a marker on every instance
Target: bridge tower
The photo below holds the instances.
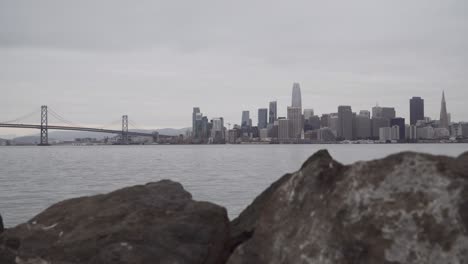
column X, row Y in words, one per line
column 44, row 130
column 124, row 129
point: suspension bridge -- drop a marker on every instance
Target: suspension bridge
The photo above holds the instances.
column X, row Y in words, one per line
column 44, row 127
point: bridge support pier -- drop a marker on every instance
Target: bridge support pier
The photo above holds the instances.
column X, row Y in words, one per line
column 44, row 130
column 124, row 140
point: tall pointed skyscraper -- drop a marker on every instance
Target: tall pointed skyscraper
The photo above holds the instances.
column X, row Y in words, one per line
column 296, row 96
column 443, row 113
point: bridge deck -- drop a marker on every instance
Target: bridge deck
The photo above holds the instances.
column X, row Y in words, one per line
column 88, row 129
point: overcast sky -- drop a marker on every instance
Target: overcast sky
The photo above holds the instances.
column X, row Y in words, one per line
column 93, row 61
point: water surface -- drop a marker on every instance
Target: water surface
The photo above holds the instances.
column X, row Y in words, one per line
column 33, row 178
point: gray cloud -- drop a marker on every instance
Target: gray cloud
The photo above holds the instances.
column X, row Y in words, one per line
column 96, row 60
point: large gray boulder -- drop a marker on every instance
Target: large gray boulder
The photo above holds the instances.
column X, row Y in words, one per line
column 406, row 208
column 153, row 223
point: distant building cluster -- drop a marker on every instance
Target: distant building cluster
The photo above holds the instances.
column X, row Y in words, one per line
column 380, row 125
column 204, row 131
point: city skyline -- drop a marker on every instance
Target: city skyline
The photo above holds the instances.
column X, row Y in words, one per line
column 304, row 126
column 296, row 91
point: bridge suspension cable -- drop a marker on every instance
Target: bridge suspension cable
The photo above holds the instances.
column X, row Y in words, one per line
column 115, row 122
column 61, row 118
column 71, row 123
column 20, row 118
column 133, row 125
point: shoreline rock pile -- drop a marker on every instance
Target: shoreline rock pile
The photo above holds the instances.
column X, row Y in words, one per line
column 405, row 208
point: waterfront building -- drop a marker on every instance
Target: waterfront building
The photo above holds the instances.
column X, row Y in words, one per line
column 443, row 113
column 389, row 133
column 363, row 125
column 263, row 133
column 426, row 132
column 455, row 129
column 296, row 96
column 345, row 122
column 395, row 134
column 273, row 114
column 416, row 110
column 385, row 134
column 400, row 122
column 325, row 134
column 217, row 131
column 333, row 122
column 262, row 118
column 311, row 135
column 411, row 132
column 377, row 123
column 295, row 122
column 441, row 132
column 283, row 129
column 464, row 130
column 233, row 135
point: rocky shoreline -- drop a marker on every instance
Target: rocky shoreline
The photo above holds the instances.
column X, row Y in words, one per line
column 405, row 208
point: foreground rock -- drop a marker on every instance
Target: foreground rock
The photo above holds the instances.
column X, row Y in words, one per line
column 154, row 223
column 1, row 224
column 406, row 208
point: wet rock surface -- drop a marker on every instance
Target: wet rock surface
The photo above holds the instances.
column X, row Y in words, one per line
column 153, row 223
column 406, row 208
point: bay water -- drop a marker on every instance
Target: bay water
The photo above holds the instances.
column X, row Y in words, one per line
column 33, row 178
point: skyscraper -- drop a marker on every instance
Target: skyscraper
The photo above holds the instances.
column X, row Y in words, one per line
column 325, row 120
column 197, row 128
column 262, row 118
column 333, row 123
column 196, row 110
column 217, row 130
column 345, row 122
column 416, row 110
column 385, row 112
column 443, row 113
column 388, row 112
column 365, row 113
column 295, row 122
column 363, row 125
column 245, row 122
column 308, row 113
column 283, row 129
column 273, row 112
column 296, row 96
